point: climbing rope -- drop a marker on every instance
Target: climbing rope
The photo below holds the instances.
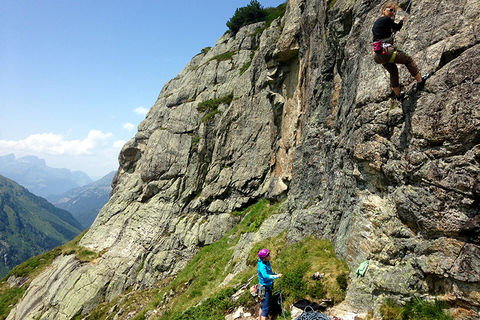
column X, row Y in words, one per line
column 313, row 315
column 408, row 7
column 280, row 301
column 306, row 315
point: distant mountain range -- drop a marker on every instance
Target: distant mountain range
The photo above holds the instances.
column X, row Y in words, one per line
column 85, row 202
column 33, row 173
column 29, row 225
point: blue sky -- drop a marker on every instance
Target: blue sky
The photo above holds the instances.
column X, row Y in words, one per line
column 77, row 74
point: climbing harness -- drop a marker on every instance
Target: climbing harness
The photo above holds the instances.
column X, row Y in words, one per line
column 312, row 315
column 392, row 58
column 258, row 291
column 377, row 46
column 380, row 46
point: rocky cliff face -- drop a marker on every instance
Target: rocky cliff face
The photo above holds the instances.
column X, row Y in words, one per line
column 299, row 111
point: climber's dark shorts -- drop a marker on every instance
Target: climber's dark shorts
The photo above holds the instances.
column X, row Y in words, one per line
column 266, row 301
column 402, row 58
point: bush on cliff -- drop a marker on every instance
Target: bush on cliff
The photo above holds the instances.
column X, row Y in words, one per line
column 243, row 16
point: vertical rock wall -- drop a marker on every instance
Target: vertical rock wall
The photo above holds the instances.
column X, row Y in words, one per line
column 396, row 183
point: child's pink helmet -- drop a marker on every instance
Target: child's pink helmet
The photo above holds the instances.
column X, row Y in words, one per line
column 262, row 254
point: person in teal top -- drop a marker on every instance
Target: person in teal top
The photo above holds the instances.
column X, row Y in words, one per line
column 265, row 278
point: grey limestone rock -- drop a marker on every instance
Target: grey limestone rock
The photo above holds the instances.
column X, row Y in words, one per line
column 309, row 122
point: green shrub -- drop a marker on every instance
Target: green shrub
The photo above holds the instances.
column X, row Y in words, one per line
column 212, row 104
column 196, row 140
column 245, row 67
column 209, row 116
column 292, row 284
column 249, row 14
column 331, row 3
column 342, row 281
column 274, row 13
column 255, row 215
column 390, row 310
column 317, row 290
column 223, row 56
column 35, row 263
column 86, row 255
column 419, row 309
column 254, row 12
column 213, row 308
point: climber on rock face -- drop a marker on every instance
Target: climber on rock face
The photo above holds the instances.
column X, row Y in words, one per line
column 386, row 54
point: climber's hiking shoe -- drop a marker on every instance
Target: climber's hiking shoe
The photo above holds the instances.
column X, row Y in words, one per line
column 398, row 98
column 421, row 85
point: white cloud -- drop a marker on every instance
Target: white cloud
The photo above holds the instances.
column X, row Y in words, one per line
column 141, row 110
column 129, row 126
column 119, row 144
column 96, row 154
column 56, row 144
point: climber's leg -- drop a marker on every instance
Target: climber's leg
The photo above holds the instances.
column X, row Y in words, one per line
column 394, row 78
column 405, row 59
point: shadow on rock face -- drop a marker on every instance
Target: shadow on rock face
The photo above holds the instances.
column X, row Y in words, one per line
column 128, row 159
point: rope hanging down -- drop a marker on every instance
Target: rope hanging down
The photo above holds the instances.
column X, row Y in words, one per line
column 408, row 7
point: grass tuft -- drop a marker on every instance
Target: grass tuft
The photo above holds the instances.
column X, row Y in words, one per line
column 213, row 308
column 245, row 67
column 254, row 216
column 417, row 309
column 211, row 106
column 224, row 56
column 8, row 299
column 390, row 310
